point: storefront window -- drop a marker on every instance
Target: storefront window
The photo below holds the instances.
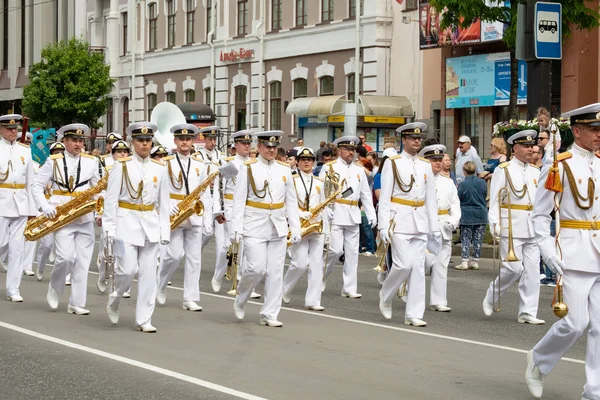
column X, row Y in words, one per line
column 470, row 126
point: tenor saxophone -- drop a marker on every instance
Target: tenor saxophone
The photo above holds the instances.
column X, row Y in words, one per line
column 72, row 210
column 192, row 204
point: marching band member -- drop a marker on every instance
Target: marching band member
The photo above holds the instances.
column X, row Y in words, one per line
column 345, row 225
column 185, row 173
column 264, row 204
column 158, row 153
column 512, row 191
column 308, row 254
column 16, row 203
column 136, row 219
column 578, row 257
column 408, row 219
column 107, row 160
column 71, row 172
column 29, row 247
column 448, row 220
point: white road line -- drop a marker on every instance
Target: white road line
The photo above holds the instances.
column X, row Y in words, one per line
column 135, row 363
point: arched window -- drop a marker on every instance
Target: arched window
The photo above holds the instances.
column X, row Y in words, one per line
column 152, row 101
column 171, row 97
column 190, row 96
column 300, row 88
column 326, row 86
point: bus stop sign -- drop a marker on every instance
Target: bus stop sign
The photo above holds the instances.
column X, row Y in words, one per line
column 548, row 31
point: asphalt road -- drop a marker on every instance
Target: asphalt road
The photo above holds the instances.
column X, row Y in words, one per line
column 347, row 352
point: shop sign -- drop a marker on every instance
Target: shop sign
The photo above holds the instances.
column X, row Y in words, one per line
column 236, row 55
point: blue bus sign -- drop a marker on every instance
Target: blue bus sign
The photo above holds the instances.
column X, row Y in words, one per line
column 548, row 31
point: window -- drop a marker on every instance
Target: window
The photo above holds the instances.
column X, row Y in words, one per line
column 470, row 126
column 109, row 116
column 275, row 102
column 23, row 33
column 326, row 86
column 326, row 10
column 152, row 26
column 171, row 97
column 207, row 97
column 352, row 7
column 276, row 14
column 300, row 88
column 301, row 13
column 351, row 92
column 190, row 19
column 190, row 96
column 240, row 94
column 125, row 113
column 240, row 107
column 5, row 33
column 209, row 15
column 170, row 23
column 242, row 12
column 152, row 100
column 124, row 19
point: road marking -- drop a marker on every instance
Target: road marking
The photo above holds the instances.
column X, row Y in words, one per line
column 135, row 363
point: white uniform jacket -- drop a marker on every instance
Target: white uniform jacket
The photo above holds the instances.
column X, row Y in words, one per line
column 120, row 219
column 522, row 175
column 213, row 159
column 276, row 199
column 580, row 247
column 347, row 211
column 16, row 177
column 195, row 170
column 415, row 211
column 315, row 187
column 61, row 170
column 448, row 204
column 228, row 188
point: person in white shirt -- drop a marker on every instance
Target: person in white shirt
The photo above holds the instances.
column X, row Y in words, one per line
column 465, row 153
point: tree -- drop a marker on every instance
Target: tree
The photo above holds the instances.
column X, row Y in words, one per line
column 70, row 84
column 463, row 12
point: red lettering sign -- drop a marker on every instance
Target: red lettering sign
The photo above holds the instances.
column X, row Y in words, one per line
column 232, row 56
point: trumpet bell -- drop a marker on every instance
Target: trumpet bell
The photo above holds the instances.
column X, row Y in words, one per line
column 511, row 256
column 166, row 115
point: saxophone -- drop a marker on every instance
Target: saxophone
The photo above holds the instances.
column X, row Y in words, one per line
column 192, row 204
column 72, row 210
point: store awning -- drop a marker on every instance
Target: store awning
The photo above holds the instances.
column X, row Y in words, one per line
column 384, row 106
column 324, row 105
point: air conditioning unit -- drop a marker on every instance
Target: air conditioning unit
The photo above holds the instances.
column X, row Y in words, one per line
column 411, row 5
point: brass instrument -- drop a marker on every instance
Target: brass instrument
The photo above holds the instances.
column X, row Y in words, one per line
column 109, row 261
column 72, row 210
column 510, row 255
column 192, row 204
column 382, row 249
column 232, row 266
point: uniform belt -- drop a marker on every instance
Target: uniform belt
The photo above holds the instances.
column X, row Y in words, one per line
column 410, row 203
column 347, row 202
column 443, row 212
column 584, row 225
column 12, row 186
column 65, row 193
column 228, row 196
column 136, row 207
column 520, row 207
column 264, row 206
column 177, row 196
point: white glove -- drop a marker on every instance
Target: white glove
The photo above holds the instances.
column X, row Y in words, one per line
column 227, row 241
column 327, row 239
column 305, row 214
column 385, row 236
column 174, row 210
column 165, row 242
column 49, row 211
column 373, row 222
column 448, row 228
column 296, row 238
column 328, row 213
column 496, row 230
column 208, row 229
column 557, row 266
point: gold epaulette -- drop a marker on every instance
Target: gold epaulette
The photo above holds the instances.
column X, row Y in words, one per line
column 157, row 162
column 424, row 159
column 296, row 176
column 319, row 179
column 124, row 159
column 331, row 162
column 283, row 163
column 104, row 156
column 564, row 156
column 85, row 155
column 229, row 158
column 167, row 158
column 109, row 167
column 250, row 161
column 504, row 164
column 396, row 157
column 23, row 144
column 57, row 156
column 194, row 157
column 534, row 166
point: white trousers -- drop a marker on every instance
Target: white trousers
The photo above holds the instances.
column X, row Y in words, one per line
column 183, row 241
column 28, row 254
column 264, row 257
column 345, row 240
column 582, row 296
column 44, row 248
column 306, row 255
column 220, row 249
column 146, row 258
column 439, row 274
column 526, row 271
column 74, row 247
column 13, row 243
column 408, row 262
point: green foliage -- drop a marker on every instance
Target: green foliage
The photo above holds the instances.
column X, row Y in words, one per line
column 463, row 12
column 70, row 84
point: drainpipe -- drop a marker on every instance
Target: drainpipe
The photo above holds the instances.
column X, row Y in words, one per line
column 261, row 57
column 357, row 55
column 132, row 36
column 210, row 39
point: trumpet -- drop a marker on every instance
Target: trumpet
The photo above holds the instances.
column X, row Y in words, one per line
column 382, row 249
column 232, row 266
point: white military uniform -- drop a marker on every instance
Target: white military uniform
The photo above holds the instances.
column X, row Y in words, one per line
column 16, row 204
column 74, row 242
column 30, row 246
column 262, row 214
column 186, row 238
column 345, row 225
column 308, row 254
column 140, row 221
column 524, row 179
column 580, row 244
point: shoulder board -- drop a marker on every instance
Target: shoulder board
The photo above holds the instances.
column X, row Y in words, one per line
column 23, row 144
column 504, row 164
column 157, row 162
column 331, row 162
column 534, row 166
column 199, row 154
column 109, row 167
column 296, row 176
column 104, row 156
column 194, row 157
column 84, row 155
column 229, row 158
column 167, row 158
column 250, row 161
column 56, row 156
column 424, row 159
column 396, row 157
column 564, row 156
column 319, row 179
column 124, row 159
column 358, row 164
column 283, row 163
